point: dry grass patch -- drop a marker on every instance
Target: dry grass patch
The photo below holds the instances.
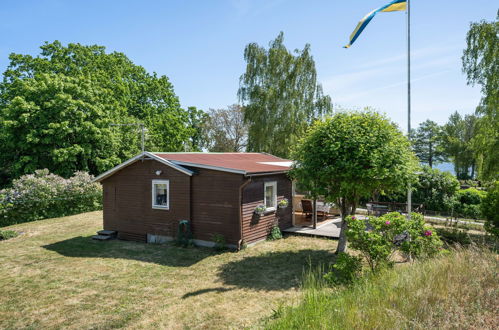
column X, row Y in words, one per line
column 53, row 275
column 459, row 290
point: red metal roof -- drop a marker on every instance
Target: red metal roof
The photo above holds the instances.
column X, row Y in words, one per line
column 247, row 162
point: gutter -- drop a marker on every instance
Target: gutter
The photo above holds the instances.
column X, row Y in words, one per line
column 245, row 183
column 265, row 173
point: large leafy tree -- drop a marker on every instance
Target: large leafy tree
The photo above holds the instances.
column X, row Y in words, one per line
column 435, row 189
column 60, row 123
column 197, row 122
column 481, row 66
column 281, row 96
column 225, row 130
column 457, row 142
column 352, row 155
column 56, row 108
column 426, row 143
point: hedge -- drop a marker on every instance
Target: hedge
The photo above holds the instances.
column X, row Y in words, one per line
column 45, row 195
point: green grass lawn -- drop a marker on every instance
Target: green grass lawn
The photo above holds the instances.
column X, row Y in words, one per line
column 54, row 275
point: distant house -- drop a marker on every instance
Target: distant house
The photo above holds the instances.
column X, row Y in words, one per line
column 147, row 196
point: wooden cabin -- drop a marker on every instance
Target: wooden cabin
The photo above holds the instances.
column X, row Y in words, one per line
column 146, row 196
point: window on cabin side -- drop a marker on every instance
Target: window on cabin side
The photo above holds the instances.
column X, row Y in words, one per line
column 270, row 195
column 160, row 194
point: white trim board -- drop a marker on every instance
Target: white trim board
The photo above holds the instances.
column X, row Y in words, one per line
column 209, row 167
column 138, row 157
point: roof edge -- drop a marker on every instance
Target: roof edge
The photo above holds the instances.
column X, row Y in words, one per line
column 209, row 167
column 132, row 160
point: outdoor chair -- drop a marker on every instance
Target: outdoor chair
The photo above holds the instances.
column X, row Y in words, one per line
column 308, row 209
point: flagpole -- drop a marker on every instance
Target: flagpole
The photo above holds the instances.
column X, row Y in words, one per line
column 409, row 192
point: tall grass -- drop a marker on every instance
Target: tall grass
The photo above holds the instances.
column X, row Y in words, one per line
column 457, row 290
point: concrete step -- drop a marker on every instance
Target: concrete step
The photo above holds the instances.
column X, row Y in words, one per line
column 102, row 237
column 107, row 232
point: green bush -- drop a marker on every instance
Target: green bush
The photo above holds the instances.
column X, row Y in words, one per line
column 220, row 242
column 468, row 203
column 490, row 209
column 275, row 233
column 44, row 195
column 345, row 270
column 454, row 236
column 377, row 238
column 435, row 189
column 6, row 234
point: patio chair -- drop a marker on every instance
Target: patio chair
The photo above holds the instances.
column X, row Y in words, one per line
column 308, row 209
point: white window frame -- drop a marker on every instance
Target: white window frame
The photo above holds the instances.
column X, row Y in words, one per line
column 274, row 197
column 153, row 194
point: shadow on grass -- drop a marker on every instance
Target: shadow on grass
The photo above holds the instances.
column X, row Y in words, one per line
column 164, row 254
column 202, row 291
column 274, row 270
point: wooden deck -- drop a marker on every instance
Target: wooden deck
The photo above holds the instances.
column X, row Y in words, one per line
column 329, row 228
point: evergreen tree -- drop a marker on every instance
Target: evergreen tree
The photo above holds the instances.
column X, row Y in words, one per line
column 426, row 143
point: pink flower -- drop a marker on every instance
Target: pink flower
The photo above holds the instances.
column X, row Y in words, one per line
column 428, row 233
column 387, row 222
column 353, row 218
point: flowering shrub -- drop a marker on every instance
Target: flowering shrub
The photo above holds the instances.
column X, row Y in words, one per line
column 377, row 238
column 45, row 195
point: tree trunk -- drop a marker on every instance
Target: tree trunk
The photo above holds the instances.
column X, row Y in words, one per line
column 314, row 214
column 430, row 156
column 345, row 210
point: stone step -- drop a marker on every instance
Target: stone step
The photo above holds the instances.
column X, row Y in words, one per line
column 107, row 232
column 102, row 237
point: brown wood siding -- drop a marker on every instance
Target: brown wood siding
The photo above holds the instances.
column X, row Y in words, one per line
column 215, row 204
column 128, row 201
column 258, row 227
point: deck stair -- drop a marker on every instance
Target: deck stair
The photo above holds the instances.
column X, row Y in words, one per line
column 104, row 235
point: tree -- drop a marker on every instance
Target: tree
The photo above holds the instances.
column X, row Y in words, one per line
column 58, row 122
column 481, row 65
column 426, row 143
column 351, row 155
column 457, row 135
column 197, row 122
column 225, row 130
column 435, row 189
column 280, row 95
column 489, row 206
column 56, row 110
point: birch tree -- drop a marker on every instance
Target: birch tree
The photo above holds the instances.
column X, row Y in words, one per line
column 280, row 95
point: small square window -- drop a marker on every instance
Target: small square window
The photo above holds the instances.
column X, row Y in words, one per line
column 270, row 195
column 160, row 194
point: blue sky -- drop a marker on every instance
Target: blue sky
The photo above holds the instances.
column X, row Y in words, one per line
column 199, row 45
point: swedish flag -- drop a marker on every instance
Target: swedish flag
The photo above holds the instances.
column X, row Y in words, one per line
column 395, row 5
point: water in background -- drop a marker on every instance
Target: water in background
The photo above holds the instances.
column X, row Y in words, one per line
column 446, row 167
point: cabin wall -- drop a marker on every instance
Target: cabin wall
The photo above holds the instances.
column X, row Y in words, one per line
column 127, row 201
column 255, row 227
column 216, row 205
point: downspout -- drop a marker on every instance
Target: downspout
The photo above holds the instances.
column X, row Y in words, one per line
column 245, row 183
